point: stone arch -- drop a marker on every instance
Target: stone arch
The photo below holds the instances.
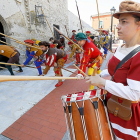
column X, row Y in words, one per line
column 5, row 28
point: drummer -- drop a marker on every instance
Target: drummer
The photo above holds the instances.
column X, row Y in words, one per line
column 126, row 80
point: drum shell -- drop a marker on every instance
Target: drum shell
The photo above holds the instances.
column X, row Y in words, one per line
column 90, row 116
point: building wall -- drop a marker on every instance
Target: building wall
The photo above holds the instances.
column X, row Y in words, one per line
column 74, row 24
column 19, row 21
column 106, row 23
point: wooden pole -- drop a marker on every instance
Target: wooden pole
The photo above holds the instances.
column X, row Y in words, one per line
column 69, row 71
column 12, row 45
column 80, row 70
column 99, row 23
column 79, row 16
column 48, row 23
column 68, row 39
column 32, row 78
column 98, row 15
column 15, row 65
column 6, row 69
column 20, row 42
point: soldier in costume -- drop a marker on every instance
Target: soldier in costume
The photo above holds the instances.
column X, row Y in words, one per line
column 62, row 40
column 74, row 50
column 88, row 33
column 13, row 56
column 53, row 57
column 55, row 43
column 73, row 36
column 91, row 57
column 105, row 43
column 124, row 88
column 34, row 53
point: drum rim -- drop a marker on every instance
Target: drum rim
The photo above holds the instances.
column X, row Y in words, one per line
column 65, row 97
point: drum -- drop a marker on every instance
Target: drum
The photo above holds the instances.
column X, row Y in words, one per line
column 87, row 116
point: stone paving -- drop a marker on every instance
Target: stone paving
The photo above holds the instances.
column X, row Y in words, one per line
column 32, row 110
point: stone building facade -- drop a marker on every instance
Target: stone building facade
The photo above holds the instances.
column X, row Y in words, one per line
column 23, row 19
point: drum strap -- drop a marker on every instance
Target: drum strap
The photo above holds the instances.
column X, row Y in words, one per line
column 126, row 58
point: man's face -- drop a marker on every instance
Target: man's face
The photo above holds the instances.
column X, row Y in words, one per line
column 70, row 45
column 43, row 48
column 74, row 33
column 81, row 42
column 52, row 40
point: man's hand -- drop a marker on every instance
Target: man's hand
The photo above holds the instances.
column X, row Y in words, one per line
column 43, row 64
column 22, row 65
column 79, row 76
column 36, row 57
column 55, row 64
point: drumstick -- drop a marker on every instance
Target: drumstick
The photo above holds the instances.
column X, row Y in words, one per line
column 32, row 78
column 80, row 70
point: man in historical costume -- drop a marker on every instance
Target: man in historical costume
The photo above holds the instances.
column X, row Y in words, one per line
column 62, row 40
column 74, row 50
column 55, row 43
column 105, row 43
column 88, row 34
column 91, row 56
column 34, row 53
column 13, row 56
column 73, row 36
column 36, row 42
column 53, row 57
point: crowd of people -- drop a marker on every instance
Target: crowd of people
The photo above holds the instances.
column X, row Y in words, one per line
column 53, row 54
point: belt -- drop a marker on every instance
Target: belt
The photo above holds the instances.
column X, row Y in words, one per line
column 13, row 54
column 131, row 101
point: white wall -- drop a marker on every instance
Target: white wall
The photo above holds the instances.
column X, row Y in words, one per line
column 74, row 24
column 17, row 24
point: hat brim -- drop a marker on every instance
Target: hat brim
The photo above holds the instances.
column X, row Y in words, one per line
column 117, row 15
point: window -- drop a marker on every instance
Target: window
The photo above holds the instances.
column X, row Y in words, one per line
column 101, row 24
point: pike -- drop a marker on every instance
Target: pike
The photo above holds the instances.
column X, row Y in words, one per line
column 68, row 38
column 80, row 70
column 20, row 42
column 79, row 15
column 69, row 71
column 6, row 69
column 15, row 65
column 99, row 23
column 32, row 78
column 11, row 45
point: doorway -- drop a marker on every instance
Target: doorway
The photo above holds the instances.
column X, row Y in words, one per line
column 2, row 38
column 56, row 34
